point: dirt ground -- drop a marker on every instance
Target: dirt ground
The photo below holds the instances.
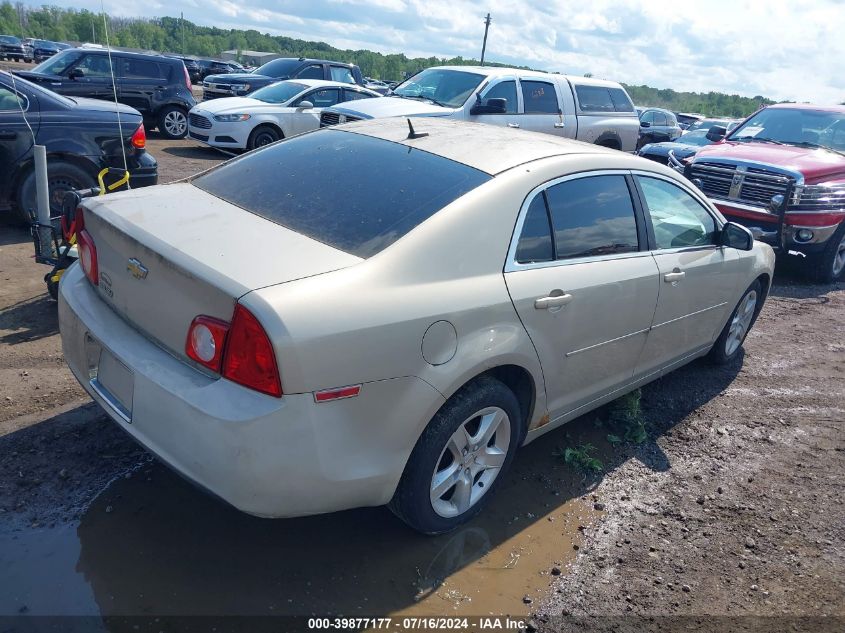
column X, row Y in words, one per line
column 730, row 514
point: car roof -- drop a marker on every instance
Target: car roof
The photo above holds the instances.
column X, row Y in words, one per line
column 488, row 148
column 496, row 71
column 148, row 56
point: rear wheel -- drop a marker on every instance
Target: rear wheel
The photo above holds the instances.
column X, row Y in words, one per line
column 829, row 265
column 173, row 122
column 263, row 135
column 460, row 458
column 727, row 346
column 61, row 178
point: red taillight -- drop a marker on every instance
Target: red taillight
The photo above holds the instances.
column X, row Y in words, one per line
column 205, row 342
column 88, row 256
column 187, row 78
column 139, row 139
column 249, row 359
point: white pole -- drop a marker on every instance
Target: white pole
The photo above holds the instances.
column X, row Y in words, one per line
column 43, row 193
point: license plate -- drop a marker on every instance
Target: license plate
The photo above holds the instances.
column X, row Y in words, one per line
column 115, row 384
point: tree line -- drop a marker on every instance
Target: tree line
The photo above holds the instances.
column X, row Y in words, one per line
column 171, row 34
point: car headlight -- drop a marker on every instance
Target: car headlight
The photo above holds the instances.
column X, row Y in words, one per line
column 242, row 88
column 230, row 118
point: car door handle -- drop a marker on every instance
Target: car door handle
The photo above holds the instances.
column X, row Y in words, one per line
column 516, row 125
column 552, row 301
column 559, row 125
column 8, row 135
column 675, row 276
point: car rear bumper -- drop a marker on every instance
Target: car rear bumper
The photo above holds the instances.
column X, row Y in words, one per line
column 279, row 457
column 145, row 173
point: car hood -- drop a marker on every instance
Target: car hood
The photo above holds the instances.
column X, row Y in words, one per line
column 393, row 106
column 664, row 148
column 237, row 78
column 814, row 164
column 228, row 105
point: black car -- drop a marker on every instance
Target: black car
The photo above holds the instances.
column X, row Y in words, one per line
column 158, row 87
column 43, row 49
column 191, row 65
column 215, row 67
column 82, row 138
column 684, row 146
column 657, row 126
column 706, row 124
column 11, row 48
column 240, row 84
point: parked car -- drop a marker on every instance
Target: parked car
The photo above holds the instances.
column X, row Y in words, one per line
column 277, row 111
column 43, row 49
column 27, row 45
column 11, row 48
column 241, row 84
column 706, row 124
column 360, row 316
column 782, row 174
column 82, row 138
column 191, row 66
column 214, row 67
column 157, row 86
column 586, row 109
column 687, row 119
column 657, row 126
column 682, row 147
column 376, row 85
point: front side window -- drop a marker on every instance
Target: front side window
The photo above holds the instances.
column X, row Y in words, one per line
column 314, row 71
column 539, row 97
column 94, row 66
column 659, row 118
column 342, row 74
column 503, row 90
column 592, row 216
column 535, row 241
column 679, row 220
column 58, row 64
column 648, row 117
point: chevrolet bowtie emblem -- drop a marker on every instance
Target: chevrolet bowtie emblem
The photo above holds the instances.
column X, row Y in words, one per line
column 137, row 269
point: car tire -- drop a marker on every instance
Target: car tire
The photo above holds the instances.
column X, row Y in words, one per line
column 727, row 347
column 829, row 265
column 173, row 122
column 263, row 135
column 485, row 410
column 61, row 177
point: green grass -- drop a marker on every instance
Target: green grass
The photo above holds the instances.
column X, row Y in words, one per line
column 580, row 459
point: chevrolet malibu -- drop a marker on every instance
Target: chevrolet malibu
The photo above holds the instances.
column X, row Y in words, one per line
column 382, row 314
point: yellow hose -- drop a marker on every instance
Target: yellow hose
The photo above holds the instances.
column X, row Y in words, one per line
column 113, row 186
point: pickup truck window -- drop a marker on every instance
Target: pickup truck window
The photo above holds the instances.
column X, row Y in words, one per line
column 315, row 71
column 592, row 216
column 504, row 90
column 539, row 97
column 594, row 99
column 621, row 100
column 342, row 74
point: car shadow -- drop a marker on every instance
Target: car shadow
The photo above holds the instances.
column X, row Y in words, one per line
column 29, row 320
column 154, row 544
column 12, row 231
column 197, row 152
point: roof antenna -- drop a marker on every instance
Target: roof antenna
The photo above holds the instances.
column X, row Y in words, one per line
column 414, row 134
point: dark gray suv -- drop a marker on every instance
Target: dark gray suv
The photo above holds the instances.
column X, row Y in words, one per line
column 158, row 87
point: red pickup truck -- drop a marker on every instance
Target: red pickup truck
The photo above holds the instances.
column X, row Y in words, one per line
column 781, row 173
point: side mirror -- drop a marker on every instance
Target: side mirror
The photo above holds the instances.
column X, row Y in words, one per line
column 736, row 236
column 76, row 73
column 717, row 133
column 304, row 105
column 491, row 106
column 645, row 124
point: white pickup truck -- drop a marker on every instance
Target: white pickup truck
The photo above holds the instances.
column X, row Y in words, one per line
column 590, row 110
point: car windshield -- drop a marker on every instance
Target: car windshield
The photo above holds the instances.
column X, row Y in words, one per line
column 697, row 137
column 278, row 68
column 356, row 193
column 58, row 63
column 9, row 39
column 794, row 126
column 280, row 92
column 444, row 87
column 43, row 43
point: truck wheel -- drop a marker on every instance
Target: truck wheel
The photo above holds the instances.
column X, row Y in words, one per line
column 829, row 265
column 460, row 458
column 730, row 341
column 263, row 135
column 61, row 178
column 173, row 122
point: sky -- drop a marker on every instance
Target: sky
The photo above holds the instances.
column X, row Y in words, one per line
column 782, row 49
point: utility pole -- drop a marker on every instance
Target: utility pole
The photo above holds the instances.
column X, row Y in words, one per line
column 487, row 21
column 182, row 22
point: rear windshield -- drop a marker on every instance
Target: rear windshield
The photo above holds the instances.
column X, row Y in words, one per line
column 353, row 192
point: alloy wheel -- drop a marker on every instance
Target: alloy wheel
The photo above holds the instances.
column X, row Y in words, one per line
column 741, row 322
column 175, row 123
column 839, row 258
column 470, row 462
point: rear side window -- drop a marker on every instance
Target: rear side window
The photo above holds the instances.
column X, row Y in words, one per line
column 323, row 98
column 539, row 97
column 621, row 101
column 353, row 192
column 142, row 69
column 355, row 95
column 535, row 241
column 592, row 216
column 594, row 99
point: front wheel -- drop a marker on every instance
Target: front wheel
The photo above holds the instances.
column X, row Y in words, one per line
column 727, row 346
column 829, row 265
column 460, row 458
column 263, row 135
column 173, row 122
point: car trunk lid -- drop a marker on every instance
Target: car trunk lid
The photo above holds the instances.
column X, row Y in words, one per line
column 175, row 252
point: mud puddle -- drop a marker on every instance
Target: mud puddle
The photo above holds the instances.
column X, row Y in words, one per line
column 153, row 544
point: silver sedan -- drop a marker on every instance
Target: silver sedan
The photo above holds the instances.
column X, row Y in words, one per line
column 381, row 313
